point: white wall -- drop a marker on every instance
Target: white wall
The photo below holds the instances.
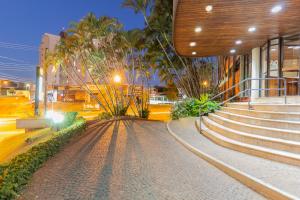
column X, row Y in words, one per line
column 255, row 71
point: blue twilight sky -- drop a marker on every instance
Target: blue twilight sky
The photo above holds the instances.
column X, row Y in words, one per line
column 23, row 22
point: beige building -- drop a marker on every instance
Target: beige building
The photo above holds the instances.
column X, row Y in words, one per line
column 62, row 84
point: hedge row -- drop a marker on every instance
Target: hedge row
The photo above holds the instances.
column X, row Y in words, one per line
column 15, row 175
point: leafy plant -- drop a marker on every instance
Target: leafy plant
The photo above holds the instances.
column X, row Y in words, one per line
column 191, row 107
column 69, row 119
column 145, row 113
column 104, row 116
column 208, row 106
column 15, row 175
column 186, row 108
column 122, row 110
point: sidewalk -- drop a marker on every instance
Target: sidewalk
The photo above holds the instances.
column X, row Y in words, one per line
column 272, row 177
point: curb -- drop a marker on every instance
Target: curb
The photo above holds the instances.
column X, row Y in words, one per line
column 255, row 184
column 290, row 158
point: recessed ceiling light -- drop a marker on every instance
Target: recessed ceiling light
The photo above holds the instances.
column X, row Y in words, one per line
column 192, row 44
column 194, row 53
column 209, row 8
column 252, row 29
column 232, row 51
column 198, row 29
column 276, row 9
column 238, row 42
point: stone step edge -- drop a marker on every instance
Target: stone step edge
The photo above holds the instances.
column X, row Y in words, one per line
column 257, row 118
column 258, row 151
column 264, row 112
column 252, row 136
column 261, row 187
column 256, row 126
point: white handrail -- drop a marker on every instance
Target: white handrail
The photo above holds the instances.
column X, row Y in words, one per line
column 246, row 91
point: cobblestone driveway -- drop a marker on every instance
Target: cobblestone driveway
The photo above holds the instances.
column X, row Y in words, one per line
column 131, row 160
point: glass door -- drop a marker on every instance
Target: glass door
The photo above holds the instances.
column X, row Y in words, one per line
column 273, row 71
column 291, row 65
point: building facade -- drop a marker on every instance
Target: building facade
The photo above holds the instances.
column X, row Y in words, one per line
column 61, row 83
column 260, row 44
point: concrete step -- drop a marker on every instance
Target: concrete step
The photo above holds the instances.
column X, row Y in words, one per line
column 280, row 100
column 267, row 107
column 263, row 141
column 272, row 123
column 272, row 179
column 289, row 116
column 292, row 135
column 263, row 152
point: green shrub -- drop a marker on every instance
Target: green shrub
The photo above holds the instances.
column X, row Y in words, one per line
column 69, row 119
column 2, row 168
column 145, row 113
column 18, row 171
column 186, row 108
column 191, row 107
column 208, row 106
column 123, row 111
column 105, row 116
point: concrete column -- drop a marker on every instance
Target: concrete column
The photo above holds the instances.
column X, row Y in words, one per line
column 255, row 72
column 242, row 71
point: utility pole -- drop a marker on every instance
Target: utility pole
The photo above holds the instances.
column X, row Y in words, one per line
column 37, row 92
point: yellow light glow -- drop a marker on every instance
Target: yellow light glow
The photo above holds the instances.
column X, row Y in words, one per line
column 117, row 78
column 209, row 8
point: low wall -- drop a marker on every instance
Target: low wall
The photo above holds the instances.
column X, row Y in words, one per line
column 32, row 123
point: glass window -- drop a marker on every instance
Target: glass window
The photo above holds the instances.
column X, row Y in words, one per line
column 291, row 64
column 264, row 68
column 274, row 67
column 274, row 61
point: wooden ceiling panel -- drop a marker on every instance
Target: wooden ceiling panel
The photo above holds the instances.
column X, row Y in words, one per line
column 229, row 21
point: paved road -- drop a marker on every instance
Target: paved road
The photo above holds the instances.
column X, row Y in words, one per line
column 131, row 160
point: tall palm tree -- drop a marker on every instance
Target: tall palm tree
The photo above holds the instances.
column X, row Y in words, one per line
column 184, row 72
column 101, row 48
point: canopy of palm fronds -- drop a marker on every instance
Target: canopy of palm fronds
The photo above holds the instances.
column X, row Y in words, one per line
column 192, row 76
column 93, row 51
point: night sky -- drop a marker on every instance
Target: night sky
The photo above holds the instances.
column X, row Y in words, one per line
column 23, row 22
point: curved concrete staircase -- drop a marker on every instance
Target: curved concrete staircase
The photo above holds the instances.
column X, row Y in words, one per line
column 270, row 131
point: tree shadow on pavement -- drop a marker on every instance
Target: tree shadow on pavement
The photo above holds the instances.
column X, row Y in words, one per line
column 103, row 188
column 88, row 145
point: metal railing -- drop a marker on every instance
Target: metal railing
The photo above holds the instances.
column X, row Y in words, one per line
column 247, row 93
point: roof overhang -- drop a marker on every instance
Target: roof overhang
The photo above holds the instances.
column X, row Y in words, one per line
column 228, row 22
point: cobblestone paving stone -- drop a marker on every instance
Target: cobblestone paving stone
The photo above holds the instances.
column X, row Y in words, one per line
column 131, row 160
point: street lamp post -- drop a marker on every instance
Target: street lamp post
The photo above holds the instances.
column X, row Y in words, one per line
column 37, row 92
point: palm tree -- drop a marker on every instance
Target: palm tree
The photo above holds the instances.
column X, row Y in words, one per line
column 101, row 48
column 52, row 60
column 183, row 72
